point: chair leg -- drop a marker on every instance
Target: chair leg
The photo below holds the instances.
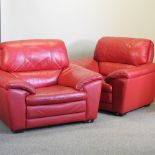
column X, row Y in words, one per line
column 147, row 105
column 18, row 131
column 119, row 114
column 89, row 121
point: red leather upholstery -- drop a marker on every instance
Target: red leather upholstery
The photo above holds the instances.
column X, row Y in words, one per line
column 124, row 50
column 39, row 78
column 130, row 94
column 56, row 109
column 106, row 97
column 59, row 119
column 106, row 87
column 132, row 72
column 88, row 63
column 109, row 67
column 39, row 88
column 33, row 55
column 128, row 71
column 9, row 81
column 13, row 108
column 55, row 94
column 76, row 77
column 93, row 90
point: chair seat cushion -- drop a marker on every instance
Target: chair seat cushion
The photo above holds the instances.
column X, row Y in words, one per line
column 106, row 97
column 106, row 87
column 55, row 94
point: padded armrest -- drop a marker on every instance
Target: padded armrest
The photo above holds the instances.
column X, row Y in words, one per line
column 87, row 62
column 76, row 77
column 132, row 72
column 9, row 81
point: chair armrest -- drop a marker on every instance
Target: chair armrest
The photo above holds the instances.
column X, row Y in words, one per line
column 9, row 81
column 76, row 77
column 87, row 62
column 132, row 72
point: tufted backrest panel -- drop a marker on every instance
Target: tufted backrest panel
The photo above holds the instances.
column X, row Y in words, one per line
column 33, row 55
column 123, row 50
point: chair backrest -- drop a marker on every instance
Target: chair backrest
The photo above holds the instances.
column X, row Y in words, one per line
column 122, row 52
column 39, row 61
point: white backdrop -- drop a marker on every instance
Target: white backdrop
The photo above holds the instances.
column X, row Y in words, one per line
column 80, row 23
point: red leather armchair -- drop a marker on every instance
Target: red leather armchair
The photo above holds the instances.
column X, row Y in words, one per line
column 38, row 87
column 128, row 72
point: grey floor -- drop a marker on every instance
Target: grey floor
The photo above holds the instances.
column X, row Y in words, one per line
column 133, row 134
